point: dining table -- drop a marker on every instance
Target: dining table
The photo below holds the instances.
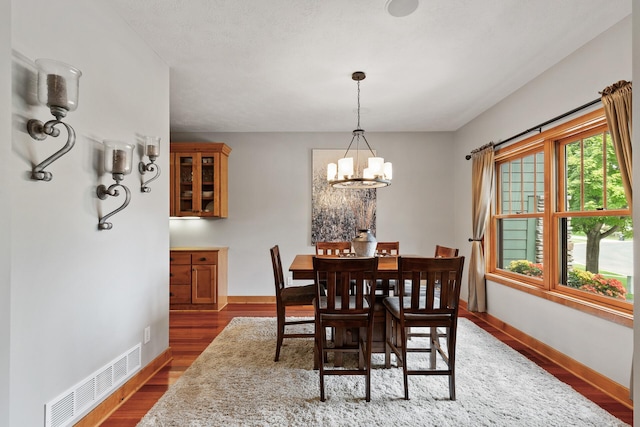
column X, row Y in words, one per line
column 301, row 268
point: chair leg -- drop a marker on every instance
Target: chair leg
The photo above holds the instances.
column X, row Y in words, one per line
column 433, row 339
column 368, row 360
column 451, row 349
column 320, row 357
column 281, row 320
column 389, row 336
column 452, row 386
column 403, row 332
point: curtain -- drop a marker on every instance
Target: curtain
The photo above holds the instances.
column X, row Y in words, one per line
column 481, row 197
column 616, row 100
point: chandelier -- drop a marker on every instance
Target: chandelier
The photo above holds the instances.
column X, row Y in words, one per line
column 345, row 174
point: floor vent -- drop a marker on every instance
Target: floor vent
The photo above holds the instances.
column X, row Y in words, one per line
column 68, row 406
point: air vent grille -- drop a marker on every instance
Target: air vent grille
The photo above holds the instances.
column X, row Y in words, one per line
column 73, row 403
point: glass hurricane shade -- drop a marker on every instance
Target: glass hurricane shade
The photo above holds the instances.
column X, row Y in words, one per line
column 118, row 157
column 58, row 84
column 152, row 146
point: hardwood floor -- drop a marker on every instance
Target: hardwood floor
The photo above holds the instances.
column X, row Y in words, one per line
column 191, row 333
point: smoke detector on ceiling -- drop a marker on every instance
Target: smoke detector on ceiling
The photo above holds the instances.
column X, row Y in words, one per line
column 400, row 8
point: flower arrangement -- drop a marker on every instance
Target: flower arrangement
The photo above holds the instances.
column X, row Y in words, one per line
column 596, row 283
column 526, row 268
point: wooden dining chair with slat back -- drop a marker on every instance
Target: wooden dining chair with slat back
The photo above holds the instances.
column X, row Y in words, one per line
column 288, row 297
column 333, row 248
column 348, row 304
column 445, row 252
column 433, row 303
column 388, row 248
column 385, row 286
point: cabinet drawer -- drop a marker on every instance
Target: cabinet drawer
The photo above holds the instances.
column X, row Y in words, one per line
column 180, row 294
column 205, row 257
column 180, row 275
column 180, row 258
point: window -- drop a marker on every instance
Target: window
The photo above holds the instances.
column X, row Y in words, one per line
column 562, row 226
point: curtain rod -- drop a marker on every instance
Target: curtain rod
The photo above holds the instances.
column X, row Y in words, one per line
column 539, row 127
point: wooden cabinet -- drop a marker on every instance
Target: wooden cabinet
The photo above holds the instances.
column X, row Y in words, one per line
column 199, row 182
column 198, row 278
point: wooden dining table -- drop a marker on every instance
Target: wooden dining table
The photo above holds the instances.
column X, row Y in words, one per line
column 302, row 269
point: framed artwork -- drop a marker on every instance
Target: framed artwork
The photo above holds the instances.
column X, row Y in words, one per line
column 337, row 213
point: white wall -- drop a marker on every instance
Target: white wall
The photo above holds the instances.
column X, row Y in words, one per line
column 5, row 214
column 79, row 296
column 570, row 83
column 270, row 199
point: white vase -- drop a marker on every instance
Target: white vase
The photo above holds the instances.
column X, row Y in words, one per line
column 364, row 244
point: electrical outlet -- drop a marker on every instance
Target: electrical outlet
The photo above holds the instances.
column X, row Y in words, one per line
column 289, row 280
column 147, row 334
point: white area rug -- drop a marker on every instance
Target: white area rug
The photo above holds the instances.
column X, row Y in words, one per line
column 235, row 382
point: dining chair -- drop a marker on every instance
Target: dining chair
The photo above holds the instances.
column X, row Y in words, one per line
column 333, row 248
column 343, row 309
column 433, row 303
column 387, row 248
column 445, row 252
column 287, row 297
column 384, row 286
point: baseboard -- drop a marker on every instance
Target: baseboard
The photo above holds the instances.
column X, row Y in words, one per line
column 251, row 299
column 118, row 397
column 608, row 386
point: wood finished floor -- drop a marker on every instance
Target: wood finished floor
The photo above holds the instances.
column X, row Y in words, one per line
column 191, row 333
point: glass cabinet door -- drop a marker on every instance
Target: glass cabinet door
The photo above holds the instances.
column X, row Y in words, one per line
column 207, row 185
column 187, row 189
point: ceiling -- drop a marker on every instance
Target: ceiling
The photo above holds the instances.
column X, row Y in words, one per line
column 286, row 65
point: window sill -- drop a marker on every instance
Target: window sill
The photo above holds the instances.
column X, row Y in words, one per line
column 620, row 317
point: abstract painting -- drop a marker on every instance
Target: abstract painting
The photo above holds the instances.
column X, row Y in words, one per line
column 337, row 213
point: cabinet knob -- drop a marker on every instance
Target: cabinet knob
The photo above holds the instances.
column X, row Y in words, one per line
column 170, row 274
column 203, row 259
column 171, row 294
column 170, row 258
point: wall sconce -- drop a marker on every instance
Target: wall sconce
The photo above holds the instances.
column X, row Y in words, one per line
column 58, row 90
column 151, row 150
column 118, row 158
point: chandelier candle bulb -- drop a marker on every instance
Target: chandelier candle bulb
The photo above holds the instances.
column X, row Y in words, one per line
column 332, row 171
column 345, row 167
column 376, row 165
column 388, row 170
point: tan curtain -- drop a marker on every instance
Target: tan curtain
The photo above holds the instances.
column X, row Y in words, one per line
column 616, row 100
column 481, row 197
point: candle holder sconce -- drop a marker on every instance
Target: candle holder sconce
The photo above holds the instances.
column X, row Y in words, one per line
column 58, row 90
column 151, row 150
column 117, row 160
